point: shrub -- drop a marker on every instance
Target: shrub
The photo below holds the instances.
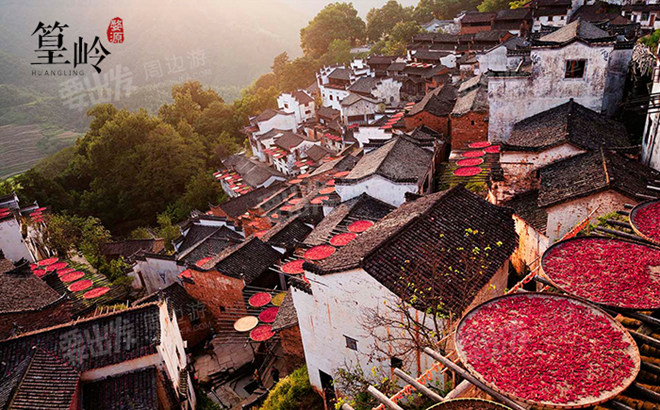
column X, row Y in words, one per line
column 293, row 393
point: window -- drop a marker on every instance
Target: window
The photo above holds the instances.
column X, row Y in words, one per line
column 645, row 16
column 396, row 363
column 331, row 98
column 286, row 105
column 575, row 68
column 351, row 343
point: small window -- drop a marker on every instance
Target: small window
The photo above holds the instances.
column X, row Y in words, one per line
column 396, row 363
column 351, row 343
column 575, row 68
column 286, row 105
column 645, row 16
column 331, row 98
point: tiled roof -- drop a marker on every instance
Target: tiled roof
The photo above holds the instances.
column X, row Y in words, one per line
column 21, row 290
column 317, row 153
column 593, row 172
column 10, row 378
column 396, row 66
column 361, row 207
column 577, row 30
column 397, row 160
column 364, row 85
column 526, row 207
column 597, row 12
column 302, row 97
column 289, row 140
column 374, row 59
column 419, row 243
column 430, row 55
column 438, row 102
column 130, row 247
column 269, row 113
column 340, row 74
column 422, row 136
column 475, row 100
column 328, row 112
column 198, row 234
column 287, row 233
column 236, row 207
column 211, row 245
column 48, row 383
column 569, row 122
column 344, row 163
column 253, row 173
column 247, row 261
column 522, row 13
column 92, row 342
column 353, row 98
column 286, row 315
column 135, row 390
column 178, row 300
column 476, row 17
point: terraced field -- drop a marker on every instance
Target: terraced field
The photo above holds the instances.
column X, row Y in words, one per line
column 22, row 146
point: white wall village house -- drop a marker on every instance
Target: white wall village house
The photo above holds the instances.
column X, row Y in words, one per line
column 550, row 13
column 300, row 103
column 599, row 181
column 387, row 173
column 129, row 357
column 22, row 230
column 373, row 271
column 646, row 13
column 578, row 61
column 547, row 137
column 651, row 139
column 384, row 89
column 294, row 147
column 252, row 173
column 333, row 81
column 358, row 109
column 504, row 57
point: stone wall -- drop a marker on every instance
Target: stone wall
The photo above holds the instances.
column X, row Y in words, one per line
column 468, row 128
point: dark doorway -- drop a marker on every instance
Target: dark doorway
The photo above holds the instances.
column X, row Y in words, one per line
column 327, row 384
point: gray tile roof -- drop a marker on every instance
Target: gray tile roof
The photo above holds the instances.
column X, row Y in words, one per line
column 577, row 30
column 253, row 173
column 286, row 315
column 418, row 243
column 591, row 173
column 397, row 160
column 567, row 123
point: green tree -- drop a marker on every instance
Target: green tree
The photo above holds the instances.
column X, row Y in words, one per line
column 65, row 233
column 493, row 5
column 381, row 21
column 338, row 52
column 335, row 21
column 425, row 11
column 201, row 191
column 292, row 393
column 167, row 230
column 400, row 37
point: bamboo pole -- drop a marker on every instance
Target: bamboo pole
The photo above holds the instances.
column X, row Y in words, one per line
column 383, row 399
column 467, row 376
column 418, row 386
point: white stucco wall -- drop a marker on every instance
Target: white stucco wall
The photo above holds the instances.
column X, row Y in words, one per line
column 11, row 241
column 337, row 309
column 650, row 141
column 388, row 91
column 512, row 99
column 332, row 97
column 302, row 112
column 377, row 187
column 279, row 121
column 365, row 133
column 363, row 108
column 564, row 216
column 340, row 305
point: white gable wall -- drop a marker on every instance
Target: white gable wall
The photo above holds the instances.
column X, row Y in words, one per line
column 377, row 187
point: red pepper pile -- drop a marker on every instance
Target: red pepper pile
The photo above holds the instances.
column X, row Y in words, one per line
column 550, row 349
column 342, row 239
column 261, row 333
column 647, row 220
column 467, row 171
column 606, row 271
column 80, row 285
column 268, row 315
column 259, row 299
column 469, row 162
column 294, row 267
column 96, row 292
column 319, row 252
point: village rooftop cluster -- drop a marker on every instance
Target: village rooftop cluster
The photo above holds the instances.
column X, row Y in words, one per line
column 386, row 221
